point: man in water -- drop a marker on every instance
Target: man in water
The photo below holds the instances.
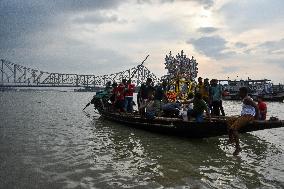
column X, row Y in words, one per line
column 249, row 113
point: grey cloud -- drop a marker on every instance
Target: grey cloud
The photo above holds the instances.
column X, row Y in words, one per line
column 152, row 30
column 86, row 5
column 240, row 45
column 248, row 51
column 271, row 53
column 206, row 3
column 271, row 46
column 96, row 18
column 207, row 30
column 277, row 61
column 230, row 69
column 19, row 19
column 213, row 46
column 245, row 15
column 70, row 56
column 143, row 1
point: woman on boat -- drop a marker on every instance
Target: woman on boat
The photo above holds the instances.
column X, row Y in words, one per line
column 249, row 113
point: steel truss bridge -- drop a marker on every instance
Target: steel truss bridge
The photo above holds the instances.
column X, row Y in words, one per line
column 15, row 75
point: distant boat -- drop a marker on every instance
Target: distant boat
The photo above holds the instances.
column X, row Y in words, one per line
column 264, row 88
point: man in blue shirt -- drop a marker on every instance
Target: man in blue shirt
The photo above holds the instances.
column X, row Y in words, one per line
column 216, row 98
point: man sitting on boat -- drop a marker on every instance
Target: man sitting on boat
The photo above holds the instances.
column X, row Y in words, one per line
column 199, row 106
column 160, row 96
column 249, row 113
column 171, row 109
column 149, row 108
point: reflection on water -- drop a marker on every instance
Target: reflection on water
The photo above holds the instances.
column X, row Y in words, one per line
column 47, row 141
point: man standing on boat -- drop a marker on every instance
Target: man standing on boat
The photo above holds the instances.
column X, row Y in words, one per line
column 249, row 113
column 200, row 88
column 160, row 96
column 146, row 90
column 216, row 92
column 129, row 90
column 120, row 96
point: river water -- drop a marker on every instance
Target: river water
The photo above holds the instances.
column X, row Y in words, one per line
column 47, row 141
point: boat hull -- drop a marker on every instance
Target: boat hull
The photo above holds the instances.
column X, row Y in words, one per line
column 190, row 129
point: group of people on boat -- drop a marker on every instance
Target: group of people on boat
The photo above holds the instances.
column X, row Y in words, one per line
column 183, row 99
column 175, row 99
column 163, row 100
column 167, row 100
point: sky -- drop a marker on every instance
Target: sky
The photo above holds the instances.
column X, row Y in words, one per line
column 233, row 39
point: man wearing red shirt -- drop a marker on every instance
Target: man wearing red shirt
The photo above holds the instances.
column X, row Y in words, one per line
column 130, row 88
column 262, row 108
column 119, row 96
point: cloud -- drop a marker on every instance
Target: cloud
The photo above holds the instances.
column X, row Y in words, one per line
column 21, row 19
column 86, row 5
column 212, row 46
column 240, row 45
column 277, row 61
column 96, row 18
column 152, row 31
column 207, row 30
column 205, row 3
column 229, row 69
column 246, row 15
column 273, row 46
column 86, row 35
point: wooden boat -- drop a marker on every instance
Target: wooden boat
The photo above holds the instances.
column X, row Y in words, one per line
column 179, row 127
column 181, row 65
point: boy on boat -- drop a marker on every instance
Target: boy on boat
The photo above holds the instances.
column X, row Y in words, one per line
column 249, row 113
column 262, row 108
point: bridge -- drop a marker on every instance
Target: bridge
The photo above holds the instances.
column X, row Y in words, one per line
column 15, row 75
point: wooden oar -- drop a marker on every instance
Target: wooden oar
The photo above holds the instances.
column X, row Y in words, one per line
column 87, row 106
